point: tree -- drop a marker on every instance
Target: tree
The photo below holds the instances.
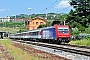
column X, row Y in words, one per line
column 49, row 22
column 81, row 14
column 55, row 22
column 41, row 26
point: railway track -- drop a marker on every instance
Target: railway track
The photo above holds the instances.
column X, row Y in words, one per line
column 82, row 50
column 87, row 47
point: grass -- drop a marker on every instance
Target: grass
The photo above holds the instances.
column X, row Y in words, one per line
column 10, row 24
column 18, row 53
column 83, row 42
column 12, row 27
column 10, row 30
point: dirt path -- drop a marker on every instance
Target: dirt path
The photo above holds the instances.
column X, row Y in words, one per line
column 4, row 54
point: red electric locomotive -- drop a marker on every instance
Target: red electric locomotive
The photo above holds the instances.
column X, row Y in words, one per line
column 62, row 33
column 56, row 33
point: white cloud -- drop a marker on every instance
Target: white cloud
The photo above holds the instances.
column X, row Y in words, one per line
column 63, row 4
column 2, row 10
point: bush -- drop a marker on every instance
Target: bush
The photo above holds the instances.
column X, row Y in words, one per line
column 41, row 26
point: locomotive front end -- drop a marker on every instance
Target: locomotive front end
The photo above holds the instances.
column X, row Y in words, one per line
column 63, row 33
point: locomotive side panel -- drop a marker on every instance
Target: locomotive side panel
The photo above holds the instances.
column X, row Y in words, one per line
column 48, row 33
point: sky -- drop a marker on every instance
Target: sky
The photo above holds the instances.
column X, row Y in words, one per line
column 16, row 7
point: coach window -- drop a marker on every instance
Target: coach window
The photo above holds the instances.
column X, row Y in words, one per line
column 33, row 33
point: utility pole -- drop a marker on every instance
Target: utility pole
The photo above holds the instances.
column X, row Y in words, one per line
column 29, row 9
column 20, row 33
column 64, row 21
column 46, row 16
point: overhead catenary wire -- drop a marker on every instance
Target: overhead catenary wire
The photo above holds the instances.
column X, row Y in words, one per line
column 53, row 7
column 64, row 9
column 49, row 6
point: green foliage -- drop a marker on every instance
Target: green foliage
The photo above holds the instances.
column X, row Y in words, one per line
column 81, row 28
column 83, row 42
column 11, row 24
column 74, row 32
column 12, row 27
column 49, row 22
column 80, row 17
column 55, row 22
column 87, row 30
column 41, row 26
column 61, row 17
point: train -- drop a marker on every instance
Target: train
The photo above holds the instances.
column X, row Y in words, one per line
column 56, row 33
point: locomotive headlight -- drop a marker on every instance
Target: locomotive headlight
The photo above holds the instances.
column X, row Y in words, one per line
column 68, row 38
column 60, row 39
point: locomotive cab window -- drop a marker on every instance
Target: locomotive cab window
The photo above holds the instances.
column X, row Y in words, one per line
column 66, row 30
column 63, row 30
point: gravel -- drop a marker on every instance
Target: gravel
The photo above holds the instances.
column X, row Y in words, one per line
column 68, row 55
column 38, row 53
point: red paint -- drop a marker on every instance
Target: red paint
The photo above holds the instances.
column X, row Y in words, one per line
column 62, row 35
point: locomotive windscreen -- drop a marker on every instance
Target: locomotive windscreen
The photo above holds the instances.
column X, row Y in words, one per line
column 63, row 30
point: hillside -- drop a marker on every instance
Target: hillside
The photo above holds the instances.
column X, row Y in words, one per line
column 12, row 27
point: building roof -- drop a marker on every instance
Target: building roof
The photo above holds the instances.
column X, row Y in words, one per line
column 36, row 18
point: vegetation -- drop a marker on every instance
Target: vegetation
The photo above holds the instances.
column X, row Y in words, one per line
column 17, row 53
column 11, row 24
column 41, row 26
column 12, row 27
column 80, row 17
column 50, row 16
column 84, row 42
